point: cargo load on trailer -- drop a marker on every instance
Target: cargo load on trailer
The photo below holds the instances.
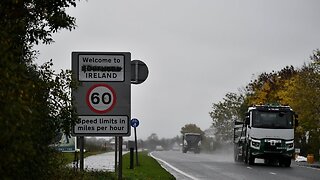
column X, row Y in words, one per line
column 266, row 133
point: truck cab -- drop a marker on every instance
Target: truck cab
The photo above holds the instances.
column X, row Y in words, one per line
column 266, row 133
column 191, row 142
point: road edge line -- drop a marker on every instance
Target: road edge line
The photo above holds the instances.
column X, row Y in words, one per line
column 172, row 167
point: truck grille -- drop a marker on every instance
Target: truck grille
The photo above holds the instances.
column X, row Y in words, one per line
column 273, row 145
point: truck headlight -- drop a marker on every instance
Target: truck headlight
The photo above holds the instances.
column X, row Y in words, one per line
column 289, row 145
column 185, row 142
column 255, row 144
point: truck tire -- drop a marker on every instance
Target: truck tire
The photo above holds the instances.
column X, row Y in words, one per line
column 184, row 150
column 197, row 151
column 237, row 158
column 287, row 162
column 246, row 158
column 250, row 158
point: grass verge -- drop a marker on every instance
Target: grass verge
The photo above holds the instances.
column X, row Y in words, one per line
column 149, row 168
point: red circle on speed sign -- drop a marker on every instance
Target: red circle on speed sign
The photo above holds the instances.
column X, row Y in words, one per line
column 101, row 98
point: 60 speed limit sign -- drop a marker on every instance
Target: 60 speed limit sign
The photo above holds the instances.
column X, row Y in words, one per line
column 101, row 98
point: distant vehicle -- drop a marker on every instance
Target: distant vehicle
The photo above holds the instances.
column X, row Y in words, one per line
column 191, row 142
column 159, row 148
column 267, row 133
column 175, row 147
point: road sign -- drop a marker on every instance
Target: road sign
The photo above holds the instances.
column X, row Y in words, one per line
column 139, row 72
column 134, row 122
column 103, row 98
column 101, row 67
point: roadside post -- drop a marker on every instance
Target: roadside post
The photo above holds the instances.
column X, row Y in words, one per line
column 116, row 154
column 103, row 98
column 131, row 145
column 135, row 123
column 139, row 73
column 81, row 140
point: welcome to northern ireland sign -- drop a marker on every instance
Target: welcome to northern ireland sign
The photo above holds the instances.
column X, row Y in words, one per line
column 103, row 99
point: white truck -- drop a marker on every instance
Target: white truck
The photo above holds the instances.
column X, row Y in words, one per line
column 266, row 133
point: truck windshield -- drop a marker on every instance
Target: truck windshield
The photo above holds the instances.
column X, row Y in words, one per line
column 272, row 119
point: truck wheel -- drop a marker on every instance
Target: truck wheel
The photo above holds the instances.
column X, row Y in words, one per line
column 287, row 162
column 197, row 151
column 251, row 160
column 184, row 150
column 246, row 158
column 236, row 157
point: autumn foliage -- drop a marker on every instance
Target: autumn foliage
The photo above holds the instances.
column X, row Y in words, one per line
column 296, row 87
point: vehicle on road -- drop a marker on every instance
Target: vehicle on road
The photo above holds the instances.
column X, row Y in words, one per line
column 267, row 133
column 191, row 142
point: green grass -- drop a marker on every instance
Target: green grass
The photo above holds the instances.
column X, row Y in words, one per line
column 149, row 168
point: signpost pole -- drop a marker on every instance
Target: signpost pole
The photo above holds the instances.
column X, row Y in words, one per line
column 116, row 154
column 135, row 123
column 81, row 139
column 136, row 144
column 120, row 159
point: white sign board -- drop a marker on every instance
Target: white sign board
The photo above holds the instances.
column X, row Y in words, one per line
column 103, row 99
column 101, row 67
column 102, row 125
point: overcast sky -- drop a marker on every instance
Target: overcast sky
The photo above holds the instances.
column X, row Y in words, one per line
column 196, row 51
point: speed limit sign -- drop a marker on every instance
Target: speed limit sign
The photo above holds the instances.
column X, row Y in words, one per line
column 101, row 98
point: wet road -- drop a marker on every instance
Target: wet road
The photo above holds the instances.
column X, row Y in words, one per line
column 221, row 166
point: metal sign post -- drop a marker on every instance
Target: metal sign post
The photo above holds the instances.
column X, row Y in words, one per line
column 116, row 154
column 120, row 158
column 135, row 123
column 81, row 140
column 103, row 99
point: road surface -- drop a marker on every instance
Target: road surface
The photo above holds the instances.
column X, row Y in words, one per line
column 221, row 166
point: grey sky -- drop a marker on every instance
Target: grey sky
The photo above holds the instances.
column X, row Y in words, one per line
column 196, row 51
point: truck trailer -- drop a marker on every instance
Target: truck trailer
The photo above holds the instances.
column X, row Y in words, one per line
column 191, row 142
column 266, row 133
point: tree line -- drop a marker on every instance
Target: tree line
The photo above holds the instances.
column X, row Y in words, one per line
column 297, row 87
column 35, row 100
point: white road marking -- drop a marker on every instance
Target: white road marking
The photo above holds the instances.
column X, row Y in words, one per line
column 249, row 167
column 272, row 173
column 174, row 168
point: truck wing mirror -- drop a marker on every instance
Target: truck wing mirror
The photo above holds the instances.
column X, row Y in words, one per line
column 296, row 122
column 247, row 121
